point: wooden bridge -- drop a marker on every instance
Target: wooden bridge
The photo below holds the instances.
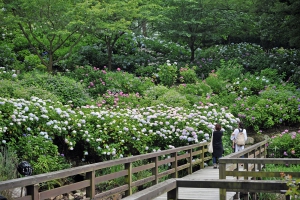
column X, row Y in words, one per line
column 162, row 176
column 208, row 173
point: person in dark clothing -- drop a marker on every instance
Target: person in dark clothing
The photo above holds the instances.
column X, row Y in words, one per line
column 217, row 144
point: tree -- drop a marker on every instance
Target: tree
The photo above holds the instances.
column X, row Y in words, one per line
column 278, row 22
column 192, row 22
column 52, row 28
column 290, row 9
column 109, row 20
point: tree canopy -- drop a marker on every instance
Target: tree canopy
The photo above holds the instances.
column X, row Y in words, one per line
column 52, row 30
column 48, row 26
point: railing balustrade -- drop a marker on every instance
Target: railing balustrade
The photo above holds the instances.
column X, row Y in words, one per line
column 178, row 159
column 253, row 159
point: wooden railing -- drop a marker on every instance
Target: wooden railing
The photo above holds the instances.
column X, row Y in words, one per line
column 178, row 159
column 172, row 186
column 253, row 160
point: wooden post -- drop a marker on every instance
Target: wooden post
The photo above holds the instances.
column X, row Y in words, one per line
column 33, row 190
column 253, row 194
column 190, row 160
column 90, row 190
column 265, row 150
column 222, row 169
column 128, row 166
column 173, row 194
column 155, row 170
column 202, row 157
column 259, row 156
column 174, row 165
column 246, row 165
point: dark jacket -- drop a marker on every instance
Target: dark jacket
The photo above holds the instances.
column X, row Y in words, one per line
column 217, row 144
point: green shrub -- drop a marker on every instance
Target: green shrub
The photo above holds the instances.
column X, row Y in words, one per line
column 216, row 84
column 251, row 57
column 97, row 82
column 225, row 98
column 147, row 71
column 199, row 89
column 284, row 173
column 8, row 170
column 92, row 55
column 7, row 88
column 67, row 90
column 173, row 99
column 42, row 153
column 272, row 107
column 127, row 83
column 121, row 100
column 194, row 93
column 167, row 74
column 156, row 91
column 285, row 145
column 8, row 161
column 229, row 70
column 33, row 62
column 7, row 56
column 12, row 89
column 187, row 75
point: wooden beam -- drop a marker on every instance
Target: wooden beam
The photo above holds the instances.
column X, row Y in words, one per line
column 153, row 191
column 235, row 185
column 128, row 167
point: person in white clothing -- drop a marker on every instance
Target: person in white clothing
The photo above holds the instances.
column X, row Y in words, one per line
column 234, row 136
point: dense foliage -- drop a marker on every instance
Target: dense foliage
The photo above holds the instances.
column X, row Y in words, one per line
column 128, row 78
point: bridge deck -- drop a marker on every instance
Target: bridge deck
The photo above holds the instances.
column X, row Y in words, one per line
column 201, row 193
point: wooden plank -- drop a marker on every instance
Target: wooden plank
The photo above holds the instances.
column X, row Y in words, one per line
column 128, row 178
column 260, row 174
column 143, row 167
column 33, row 190
column 193, row 193
column 111, row 176
column 196, row 153
column 153, row 191
column 165, row 173
column 183, row 156
column 182, row 167
column 155, row 171
column 111, row 192
column 64, row 189
column 238, row 185
column 90, row 190
column 143, row 181
column 175, row 165
column 291, row 161
column 28, row 197
column 166, row 161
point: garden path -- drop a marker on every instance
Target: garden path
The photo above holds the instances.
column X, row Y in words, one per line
column 201, row 193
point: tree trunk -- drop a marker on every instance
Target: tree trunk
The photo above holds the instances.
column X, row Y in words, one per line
column 144, row 28
column 192, row 48
column 109, row 56
column 50, row 63
column 192, row 54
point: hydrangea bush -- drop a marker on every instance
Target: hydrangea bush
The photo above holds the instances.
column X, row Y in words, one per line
column 96, row 133
column 285, row 145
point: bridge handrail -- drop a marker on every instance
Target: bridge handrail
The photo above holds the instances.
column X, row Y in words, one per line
column 253, row 159
column 191, row 151
column 171, row 186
